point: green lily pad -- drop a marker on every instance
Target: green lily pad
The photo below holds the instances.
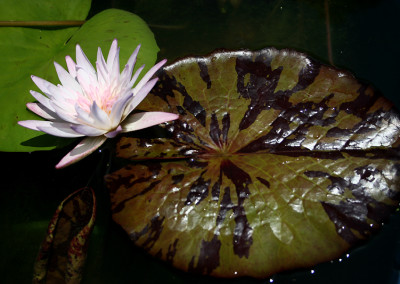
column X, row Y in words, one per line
column 32, row 51
column 62, row 254
column 277, row 162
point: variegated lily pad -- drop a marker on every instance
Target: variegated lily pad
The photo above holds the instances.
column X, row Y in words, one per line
column 277, row 162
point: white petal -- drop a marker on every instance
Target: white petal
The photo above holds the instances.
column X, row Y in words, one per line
column 118, row 109
column 83, row 149
column 111, row 54
column 135, row 76
column 66, row 79
column 83, row 117
column 60, row 129
column 31, row 124
column 43, row 85
column 148, row 75
column 42, row 111
column 146, row 119
column 42, row 99
column 132, row 59
column 101, row 119
column 83, row 61
column 127, row 72
column 114, row 133
column 102, row 71
column 71, row 66
column 86, row 130
column 86, row 81
column 115, row 67
column 64, row 114
column 66, row 94
column 138, row 98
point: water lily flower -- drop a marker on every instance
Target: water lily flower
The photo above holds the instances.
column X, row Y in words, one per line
column 94, row 103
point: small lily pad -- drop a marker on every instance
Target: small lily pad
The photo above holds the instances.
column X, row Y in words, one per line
column 277, row 162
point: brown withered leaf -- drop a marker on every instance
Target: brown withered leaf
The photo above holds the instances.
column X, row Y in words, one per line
column 277, row 162
column 62, row 254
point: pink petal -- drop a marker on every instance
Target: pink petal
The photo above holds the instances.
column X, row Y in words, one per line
column 146, row 119
column 87, row 146
column 42, row 111
column 60, row 129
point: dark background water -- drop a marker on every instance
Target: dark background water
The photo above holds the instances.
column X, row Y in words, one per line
column 360, row 36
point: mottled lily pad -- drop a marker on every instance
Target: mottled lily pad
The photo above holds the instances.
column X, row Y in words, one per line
column 62, row 254
column 277, row 162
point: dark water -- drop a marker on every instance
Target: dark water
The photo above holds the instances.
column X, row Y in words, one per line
column 360, row 36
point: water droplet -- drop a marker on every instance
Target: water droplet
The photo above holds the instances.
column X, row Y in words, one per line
column 271, row 280
column 312, row 271
column 235, row 272
column 347, row 255
column 340, row 260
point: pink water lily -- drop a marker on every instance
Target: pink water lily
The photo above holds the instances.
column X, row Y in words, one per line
column 94, row 103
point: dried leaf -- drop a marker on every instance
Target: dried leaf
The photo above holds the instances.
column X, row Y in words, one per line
column 277, row 162
column 62, row 255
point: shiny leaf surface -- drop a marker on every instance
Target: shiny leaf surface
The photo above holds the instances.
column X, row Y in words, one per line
column 63, row 253
column 277, row 162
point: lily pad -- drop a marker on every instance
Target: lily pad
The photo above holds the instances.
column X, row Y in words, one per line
column 277, row 162
column 32, row 51
column 63, row 253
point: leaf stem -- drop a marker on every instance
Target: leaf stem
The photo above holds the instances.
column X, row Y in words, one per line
column 328, row 32
column 40, row 23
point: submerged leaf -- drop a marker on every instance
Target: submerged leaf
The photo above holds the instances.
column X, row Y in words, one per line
column 277, row 162
column 62, row 255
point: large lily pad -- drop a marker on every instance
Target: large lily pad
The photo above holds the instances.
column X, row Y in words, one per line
column 32, row 51
column 277, row 162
